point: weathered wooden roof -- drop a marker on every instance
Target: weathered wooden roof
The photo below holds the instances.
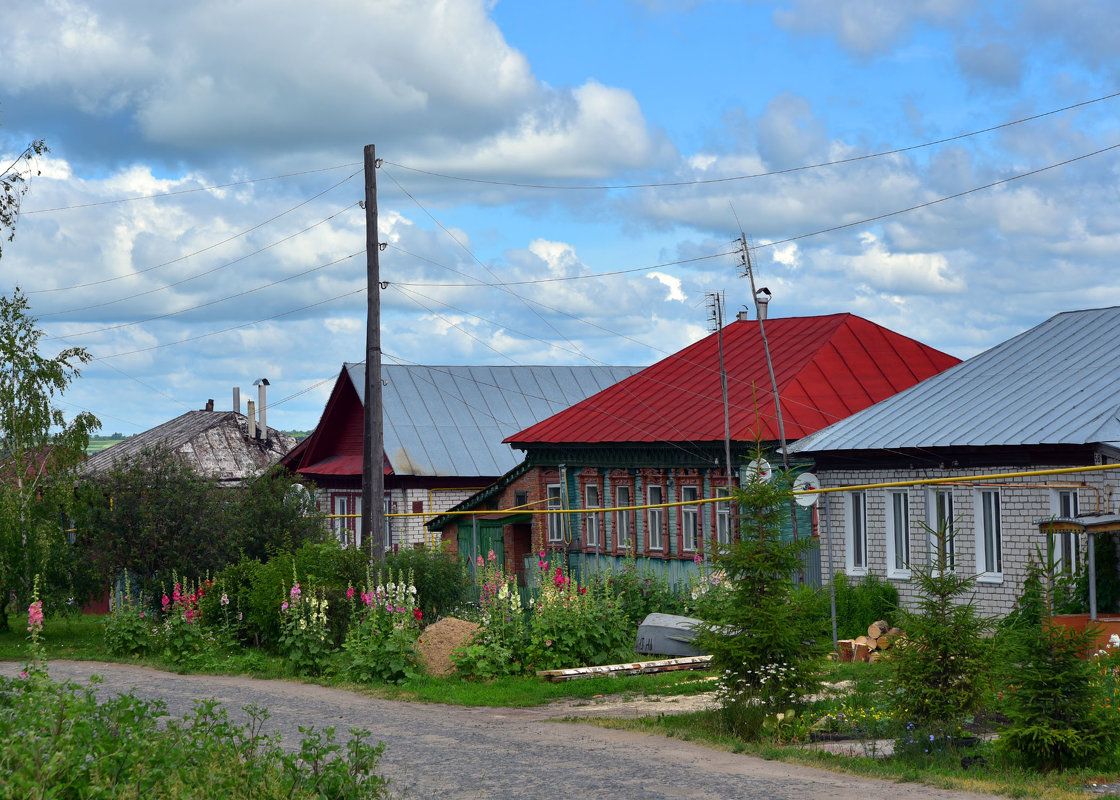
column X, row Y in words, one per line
column 216, row 444
column 1054, row 384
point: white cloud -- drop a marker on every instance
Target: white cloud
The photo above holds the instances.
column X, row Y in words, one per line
column 912, row 273
column 673, row 284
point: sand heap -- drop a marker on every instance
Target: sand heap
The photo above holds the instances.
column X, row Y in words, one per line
column 439, row 639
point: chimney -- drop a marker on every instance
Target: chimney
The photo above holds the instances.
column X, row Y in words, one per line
column 743, row 316
column 252, row 414
column 210, row 404
column 261, row 383
column 237, row 399
column 761, row 299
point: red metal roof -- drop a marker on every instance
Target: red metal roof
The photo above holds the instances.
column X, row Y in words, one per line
column 826, row 368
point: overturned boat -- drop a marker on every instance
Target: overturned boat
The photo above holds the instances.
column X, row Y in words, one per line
column 668, row 635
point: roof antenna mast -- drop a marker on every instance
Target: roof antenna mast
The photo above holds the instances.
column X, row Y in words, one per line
column 761, row 298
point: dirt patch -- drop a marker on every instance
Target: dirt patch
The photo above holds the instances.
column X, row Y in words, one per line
column 439, row 639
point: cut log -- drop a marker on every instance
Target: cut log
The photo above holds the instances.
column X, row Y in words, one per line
column 877, row 629
column 866, row 641
column 860, row 651
column 895, row 632
column 885, row 641
column 844, row 649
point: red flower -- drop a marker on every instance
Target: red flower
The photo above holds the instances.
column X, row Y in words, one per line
column 418, row 614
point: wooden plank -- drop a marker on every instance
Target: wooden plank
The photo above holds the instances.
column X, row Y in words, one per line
column 633, row 668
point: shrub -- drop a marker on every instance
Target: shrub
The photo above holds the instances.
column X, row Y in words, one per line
column 303, row 630
column 128, row 627
column 859, row 603
column 641, row 591
column 438, row 576
column 762, row 634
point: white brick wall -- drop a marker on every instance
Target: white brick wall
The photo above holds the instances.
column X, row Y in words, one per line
column 1022, row 501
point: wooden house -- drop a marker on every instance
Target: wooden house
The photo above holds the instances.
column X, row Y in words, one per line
column 658, row 437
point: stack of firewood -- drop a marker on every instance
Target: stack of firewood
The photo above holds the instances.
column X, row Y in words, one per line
column 880, row 636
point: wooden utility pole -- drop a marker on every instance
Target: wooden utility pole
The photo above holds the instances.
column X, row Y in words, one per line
column 373, row 435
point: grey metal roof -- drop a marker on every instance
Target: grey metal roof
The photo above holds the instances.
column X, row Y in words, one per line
column 1053, row 384
column 443, row 420
column 214, row 443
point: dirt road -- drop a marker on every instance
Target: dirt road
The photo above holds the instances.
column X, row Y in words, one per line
column 451, row 752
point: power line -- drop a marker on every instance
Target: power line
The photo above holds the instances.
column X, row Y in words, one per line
column 191, row 191
column 198, row 275
column 788, row 170
column 245, row 232
column 211, row 302
column 233, row 328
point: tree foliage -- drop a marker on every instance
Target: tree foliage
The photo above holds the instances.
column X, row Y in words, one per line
column 153, row 515
column 39, row 449
column 14, row 183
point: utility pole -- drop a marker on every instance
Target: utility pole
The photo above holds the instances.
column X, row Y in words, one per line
column 715, row 317
column 373, row 434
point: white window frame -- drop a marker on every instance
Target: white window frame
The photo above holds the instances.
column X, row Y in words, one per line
column 938, row 511
column 555, row 521
column 898, row 534
column 1067, row 545
column 591, row 524
column 690, row 519
column 989, row 535
column 622, row 516
column 348, row 530
column 723, row 516
column 655, row 518
column 855, row 533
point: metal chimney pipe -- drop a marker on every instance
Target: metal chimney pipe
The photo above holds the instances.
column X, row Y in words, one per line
column 252, row 414
column 261, row 383
column 761, row 299
column 237, row 399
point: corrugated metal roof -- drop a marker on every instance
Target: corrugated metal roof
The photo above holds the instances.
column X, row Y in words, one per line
column 214, row 443
column 826, row 368
column 1053, row 384
column 445, row 420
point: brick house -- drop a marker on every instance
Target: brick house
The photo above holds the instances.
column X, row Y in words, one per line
column 657, row 437
column 443, row 436
column 1041, row 400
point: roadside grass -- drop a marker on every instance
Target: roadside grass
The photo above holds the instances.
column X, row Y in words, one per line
column 862, row 686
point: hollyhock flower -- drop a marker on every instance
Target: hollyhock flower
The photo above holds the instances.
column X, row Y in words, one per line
column 480, row 562
column 418, row 614
column 225, row 599
column 491, row 557
column 35, row 616
column 284, row 606
column 350, row 593
column 295, row 593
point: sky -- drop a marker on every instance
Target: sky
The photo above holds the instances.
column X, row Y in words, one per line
column 562, row 181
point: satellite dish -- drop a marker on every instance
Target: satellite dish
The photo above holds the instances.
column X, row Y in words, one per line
column 806, row 482
column 299, row 498
column 759, row 469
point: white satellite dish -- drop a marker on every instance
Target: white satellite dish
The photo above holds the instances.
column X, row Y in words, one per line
column 759, row 468
column 806, row 482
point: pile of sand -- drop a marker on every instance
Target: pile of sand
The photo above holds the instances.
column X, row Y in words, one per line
column 439, row 639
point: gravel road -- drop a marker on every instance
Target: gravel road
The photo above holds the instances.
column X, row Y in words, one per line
column 451, row 752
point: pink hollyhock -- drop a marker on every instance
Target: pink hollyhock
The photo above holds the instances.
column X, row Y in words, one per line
column 350, row 593
column 295, row 592
column 166, row 602
column 284, row 606
column 491, row 557
column 35, row 616
column 481, row 563
column 367, row 598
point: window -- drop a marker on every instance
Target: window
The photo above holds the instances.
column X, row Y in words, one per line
column 346, row 508
column 591, row 521
column 989, row 545
column 1067, row 546
column 690, row 518
column 723, row 517
column 898, row 534
column 655, row 518
column 857, row 533
column 941, row 545
column 622, row 516
column 555, row 521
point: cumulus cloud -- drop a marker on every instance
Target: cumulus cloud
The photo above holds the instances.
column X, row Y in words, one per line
column 911, row 273
column 866, row 27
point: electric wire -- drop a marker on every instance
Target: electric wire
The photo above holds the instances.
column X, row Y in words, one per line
column 198, row 275
column 786, row 171
column 191, row 191
column 232, row 328
column 245, row 232
column 211, row 302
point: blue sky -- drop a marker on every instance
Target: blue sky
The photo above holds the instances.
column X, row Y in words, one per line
column 136, row 99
